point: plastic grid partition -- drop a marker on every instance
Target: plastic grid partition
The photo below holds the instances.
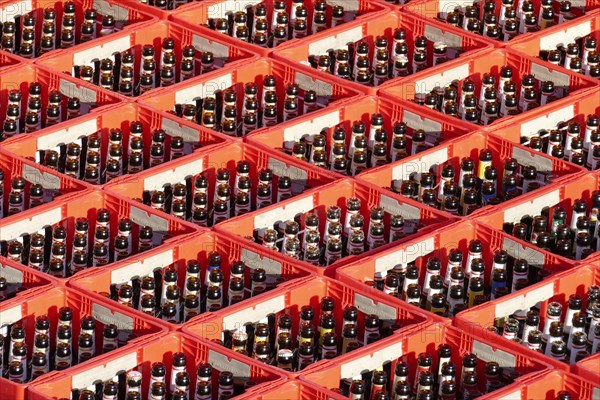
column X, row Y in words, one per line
column 31, row 147
column 7, row 60
column 22, row 281
column 199, row 14
column 560, row 35
column 456, row 71
column 547, row 386
column 460, row 45
column 418, row 219
column 407, row 347
column 160, row 350
column 553, row 289
column 589, row 369
column 126, row 18
column 206, row 163
column 438, row 244
column 289, row 300
column 52, row 183
column 99, row 283
column 19, row 77
column 361, row 109
column 195, row 90
column 452, row 153
column 48, row 302
column 226, row 56
column 439, row 9
column 545, row 199
column 85, row 204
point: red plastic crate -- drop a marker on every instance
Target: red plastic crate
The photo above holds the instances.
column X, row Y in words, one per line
column 460, row 45
column 27, row 308
column 126, row 17
column 474, row 68
column 199, row 14
column 552, row 289
column 417, row 218
column 291, row 298
column 7, row 60
column 225, row 55
column 193, row 91
column 97, row 282
column 438, row 244
column 452, row 152
column 53, row 183
column 360, row 110
column 438, row 10
column 407, row 348
column 22, row 281
column 589, row 369
column 31, row 146
column 563, row 195
column 85, row 204
column 294, row 390
column 19, row 77
column 159, row 350
column 521, row 128
column 208, row 162
column 548, row 385
column 560, row 35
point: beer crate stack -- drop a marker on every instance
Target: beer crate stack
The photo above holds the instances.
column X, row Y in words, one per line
column 299, row 199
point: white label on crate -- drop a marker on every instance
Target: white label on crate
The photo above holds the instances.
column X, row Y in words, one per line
column 173, row 128
column 510, row 304
column 253, row 314
column 203, row 44
column 543, row 73
column 254, row 260
column 104, row 8
column 420, row 164
column 451, row 40
column 311, row 127
column 368, row 306
column 334, row 42
column 142, row 218
column 349, row 5
column 221, row 362
column 173, row 175
column 223, row 8
column 534, row 158
column 414, row 121
column 486, row 353
column 67, row 135
column 442, row 79
column 34, row 175
column 12, row 275
column 283, row 213
column 70, row 89
column 533, row 207
column 516, row 395
column 565, row 36
column 9, row 12
column 10, row 316
column 548, row 121
column 31, row 224
column 104, row 372
column 106, row 50
column 408, row 254
column 579, row 4
column 447, row 6
column 297, row 175
column 142, row 268
column 394, row 207
column 516, row 250
column 370, row 362
column 203, row 90
column 106, row 316
column 320, row 87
